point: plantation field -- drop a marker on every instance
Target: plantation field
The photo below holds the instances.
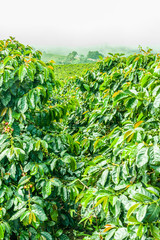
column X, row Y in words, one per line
column 67, row 71
column 79, row 160
column 56, row 57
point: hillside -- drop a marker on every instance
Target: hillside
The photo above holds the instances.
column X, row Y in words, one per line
column 68, row 71
column 60, row 55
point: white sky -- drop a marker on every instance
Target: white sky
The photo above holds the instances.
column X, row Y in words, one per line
column 81, row 22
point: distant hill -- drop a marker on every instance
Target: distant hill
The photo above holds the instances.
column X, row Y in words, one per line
column 59, row 59
column 64, row 55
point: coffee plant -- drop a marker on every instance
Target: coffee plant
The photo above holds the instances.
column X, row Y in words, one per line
column 37, row 155
column 80, row 159
column 119, row 134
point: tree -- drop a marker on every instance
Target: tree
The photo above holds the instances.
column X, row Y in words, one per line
column 94, row 55
column 71, row 56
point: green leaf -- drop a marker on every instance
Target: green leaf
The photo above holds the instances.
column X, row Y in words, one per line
column 153, row 212
column 132, row 219
column 18, row 214
column 141, row 213
column 23, row 180
column 53, row 164
column 44, row 144
column 103, row 177
column 41, row 170
column 153, row 190
column 100, row 201
column 31, row 98
column 116, row 175
column 132, row 209
column 122, row 95
column 6, row 75
column 6, row 99
column 12, row 170
column 59, row 233
column 1, row 79
column 110, row 234
column 4, row 153
column 140, row 231
column 64, row 193
column 132, row 103
column 73, row 164
column 142, row 157
column 7, row 227
column 144, row 79
column 86, row 87
column 22, row 104
column 37, row 145
column 25, row 214
column 10, row 114
column 39, row 212
column 54, row 214
column 65, row 237
column 1, row 69
column 154, row 154
column 156, row 103
column 6, row 60
column 1, row 232
column 120, row 234
column 141, row 195
column 22, row 72
column 48, row 188
column 47, row 235
column 30, row 73
column 155, row 232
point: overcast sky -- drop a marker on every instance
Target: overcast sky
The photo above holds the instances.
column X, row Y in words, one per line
column 81, row 22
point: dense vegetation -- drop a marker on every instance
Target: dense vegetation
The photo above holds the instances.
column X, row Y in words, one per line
column 65, row 72
column 60, row 55
column 94, row 55
column 58, row 59
column 72, row 58
column 80, row 161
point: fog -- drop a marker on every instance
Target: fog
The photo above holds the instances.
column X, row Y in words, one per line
column 79, row 23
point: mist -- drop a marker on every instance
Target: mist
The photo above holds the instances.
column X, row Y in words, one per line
column 70, row 24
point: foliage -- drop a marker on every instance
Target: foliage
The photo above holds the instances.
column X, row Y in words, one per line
column 119, row 135
column 59, row 59
column 59, row 54
column 87, row 150
column 94, row 54
column 66, row 72
column 71, row 56
column 37, row 155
